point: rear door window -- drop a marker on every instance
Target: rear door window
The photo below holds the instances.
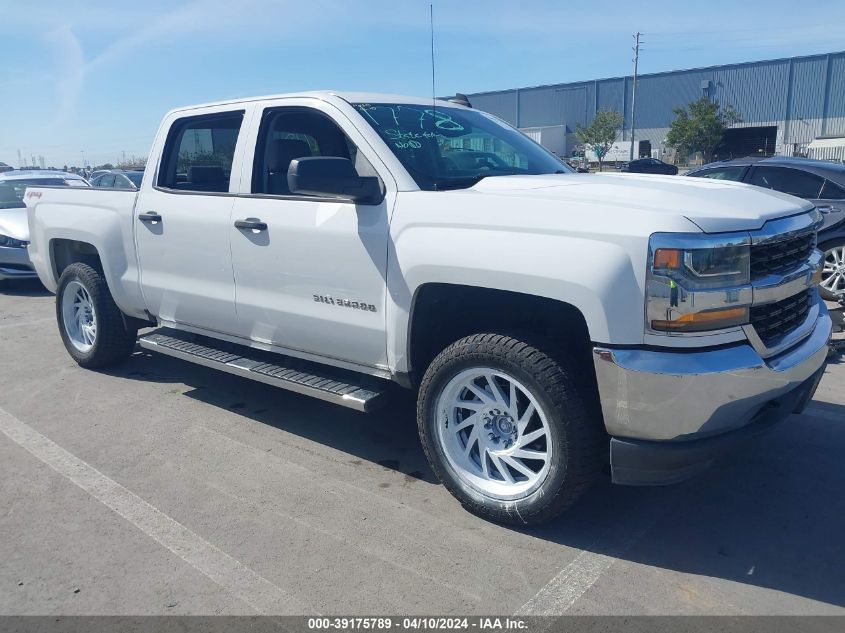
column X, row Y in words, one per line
column 199, row 152
column 787, row 180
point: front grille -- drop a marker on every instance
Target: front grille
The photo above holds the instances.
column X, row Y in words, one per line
column 774, row 321
column 775, row 258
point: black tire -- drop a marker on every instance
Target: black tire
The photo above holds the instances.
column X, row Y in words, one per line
column 826, row 294
column 580, row 442
column 113, row 342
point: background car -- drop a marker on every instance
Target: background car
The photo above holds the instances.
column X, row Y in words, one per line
column 14, row 230
column 649, row 166
column 118, row 179
column 818, row 181
column 579, row 166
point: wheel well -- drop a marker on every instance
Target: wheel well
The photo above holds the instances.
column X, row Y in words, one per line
column 444, row 313
column 67, row 252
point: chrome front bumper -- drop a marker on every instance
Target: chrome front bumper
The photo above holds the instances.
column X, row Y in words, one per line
column 662, row 395
column 15, row 264
column 671, row 413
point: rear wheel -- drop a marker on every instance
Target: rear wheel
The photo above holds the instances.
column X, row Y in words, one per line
column 90, row 323
column 832, row 286
column 507, row 429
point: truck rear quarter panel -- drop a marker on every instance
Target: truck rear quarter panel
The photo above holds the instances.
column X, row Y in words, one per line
column 103, row 218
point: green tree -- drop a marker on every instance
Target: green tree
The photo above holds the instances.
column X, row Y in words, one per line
column 600, row 135
column 700, row 127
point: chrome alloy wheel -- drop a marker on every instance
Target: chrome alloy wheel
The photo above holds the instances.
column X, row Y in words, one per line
column 79, row 317
column 833, row 273
column 494, row 433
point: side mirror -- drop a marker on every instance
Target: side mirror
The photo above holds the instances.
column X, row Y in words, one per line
column 332, row 177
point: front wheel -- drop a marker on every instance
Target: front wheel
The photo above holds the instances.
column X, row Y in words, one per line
column 90, row 323
column 832, row 286
column 508, row 429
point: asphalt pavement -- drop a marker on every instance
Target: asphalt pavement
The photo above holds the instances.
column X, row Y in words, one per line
column 161, row 487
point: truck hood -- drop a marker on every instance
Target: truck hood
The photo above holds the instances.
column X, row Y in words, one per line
column 13, row 223
column 713, row 205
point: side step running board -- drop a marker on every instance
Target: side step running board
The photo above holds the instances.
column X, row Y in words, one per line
column 307, row 383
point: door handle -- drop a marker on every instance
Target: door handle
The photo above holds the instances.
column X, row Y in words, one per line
column 150, row 216
column 253, row 224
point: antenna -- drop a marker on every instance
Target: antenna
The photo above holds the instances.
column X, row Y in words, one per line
column 433, row 92
column 431, row 18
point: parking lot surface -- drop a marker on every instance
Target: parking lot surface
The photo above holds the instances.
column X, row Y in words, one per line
column 160, row 487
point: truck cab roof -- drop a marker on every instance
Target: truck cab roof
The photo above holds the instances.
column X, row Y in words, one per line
column 329, row 95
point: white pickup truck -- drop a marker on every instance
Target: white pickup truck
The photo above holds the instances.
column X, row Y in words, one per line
column 550, row 321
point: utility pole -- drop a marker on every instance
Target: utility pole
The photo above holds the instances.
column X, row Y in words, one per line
column 634, row 91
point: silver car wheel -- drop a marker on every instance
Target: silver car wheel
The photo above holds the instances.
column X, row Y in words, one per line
column 833, row 273
column 79, row 316
column 494, row 433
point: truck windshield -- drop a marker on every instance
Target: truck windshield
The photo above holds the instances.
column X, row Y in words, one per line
column 452, row 148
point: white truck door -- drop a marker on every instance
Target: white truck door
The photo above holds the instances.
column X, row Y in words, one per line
column 310, row 271
column 183, row 224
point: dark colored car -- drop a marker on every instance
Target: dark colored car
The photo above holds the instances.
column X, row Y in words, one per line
column 118, row 179
column 818, row 181
column 649, row 166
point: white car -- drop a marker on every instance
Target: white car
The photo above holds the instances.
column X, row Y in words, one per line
column 14, row 231
column 118, row 179
column 549, row 321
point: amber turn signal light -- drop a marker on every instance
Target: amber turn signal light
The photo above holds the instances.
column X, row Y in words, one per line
column 702, row 321
column 667, row 258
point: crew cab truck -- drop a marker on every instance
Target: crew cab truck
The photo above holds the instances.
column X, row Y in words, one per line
column 550, row 321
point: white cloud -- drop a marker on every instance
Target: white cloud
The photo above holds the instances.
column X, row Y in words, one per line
column 69, row 70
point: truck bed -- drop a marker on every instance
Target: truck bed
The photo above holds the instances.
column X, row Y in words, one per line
column 69, row 217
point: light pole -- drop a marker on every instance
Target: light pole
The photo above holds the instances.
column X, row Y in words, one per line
column 634, row 92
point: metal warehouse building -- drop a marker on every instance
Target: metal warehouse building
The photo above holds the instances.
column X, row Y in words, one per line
column 793, row 106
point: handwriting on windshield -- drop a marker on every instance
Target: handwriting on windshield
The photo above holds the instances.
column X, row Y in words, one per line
column 409, row 117
column 407, row 140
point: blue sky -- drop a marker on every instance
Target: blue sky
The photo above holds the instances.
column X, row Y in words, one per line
column 96, row 76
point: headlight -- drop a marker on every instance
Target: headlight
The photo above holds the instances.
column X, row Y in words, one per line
column 698, row 283
column 705, row 267
column 12, row 242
